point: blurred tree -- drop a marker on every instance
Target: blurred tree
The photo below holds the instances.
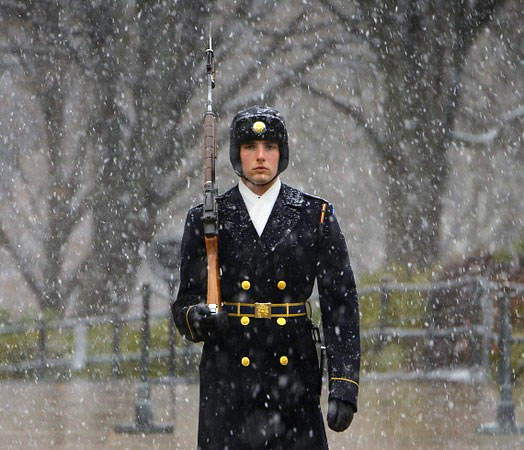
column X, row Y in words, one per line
column 420, row 49
column 131, row 71
column 487, row 170
column 147, row 60
column 142, row 62
column 44, row 185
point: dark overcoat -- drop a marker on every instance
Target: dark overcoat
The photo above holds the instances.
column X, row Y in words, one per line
column 251, row 397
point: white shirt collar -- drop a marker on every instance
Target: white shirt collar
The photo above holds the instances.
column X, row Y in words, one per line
column 259, row 207
column 271, row 193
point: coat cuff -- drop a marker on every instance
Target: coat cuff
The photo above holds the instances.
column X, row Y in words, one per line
column 344, row 389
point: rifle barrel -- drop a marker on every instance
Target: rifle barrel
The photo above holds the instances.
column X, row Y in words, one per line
column 210, row 213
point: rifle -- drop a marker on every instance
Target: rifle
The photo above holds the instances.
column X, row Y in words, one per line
column 210, row 213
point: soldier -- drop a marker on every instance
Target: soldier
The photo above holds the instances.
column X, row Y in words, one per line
column 260, row 377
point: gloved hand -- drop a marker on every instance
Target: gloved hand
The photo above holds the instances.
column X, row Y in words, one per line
column 206, row 325
column 340, row 414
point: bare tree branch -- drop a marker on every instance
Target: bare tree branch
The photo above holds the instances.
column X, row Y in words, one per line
column 353, row 21
column 481, row 14
column 489, row 136
column 310, row 29
column 290, row 77
column 12, row 8
column 355, row 113
column 26, row 273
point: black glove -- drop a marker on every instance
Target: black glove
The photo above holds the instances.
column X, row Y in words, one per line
column 206, row 325
column 340, row 414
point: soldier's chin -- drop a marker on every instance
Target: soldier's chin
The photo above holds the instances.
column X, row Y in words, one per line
column 259, row 179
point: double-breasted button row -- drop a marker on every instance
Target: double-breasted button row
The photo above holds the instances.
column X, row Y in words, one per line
column 245, row 320
column 246, row 285
column 245, row 361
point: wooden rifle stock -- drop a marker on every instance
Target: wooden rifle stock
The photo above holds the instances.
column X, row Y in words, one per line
column 213, row 280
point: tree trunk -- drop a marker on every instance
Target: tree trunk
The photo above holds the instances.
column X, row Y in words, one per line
column 413, row 207
column 52, row 99
column 421, row 63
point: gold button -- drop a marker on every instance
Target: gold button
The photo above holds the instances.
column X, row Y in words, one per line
column 246, row 285
column 281, row 321
column 244, row 320
column 245, row 361
column 281, row 285
column 284, row 360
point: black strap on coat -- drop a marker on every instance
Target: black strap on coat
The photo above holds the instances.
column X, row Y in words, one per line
column 315, row 331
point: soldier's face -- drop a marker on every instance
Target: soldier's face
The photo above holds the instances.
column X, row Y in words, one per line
column 259, row 162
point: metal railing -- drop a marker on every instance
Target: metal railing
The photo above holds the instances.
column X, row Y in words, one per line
column 481, row 335
column 79, row 359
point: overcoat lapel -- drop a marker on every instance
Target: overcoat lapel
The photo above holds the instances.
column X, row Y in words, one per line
column 283, row 218
column 236, row 220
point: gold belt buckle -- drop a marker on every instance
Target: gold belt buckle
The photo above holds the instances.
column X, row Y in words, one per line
column 262, row 310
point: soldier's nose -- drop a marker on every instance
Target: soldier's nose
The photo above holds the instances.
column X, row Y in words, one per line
column 260, row 152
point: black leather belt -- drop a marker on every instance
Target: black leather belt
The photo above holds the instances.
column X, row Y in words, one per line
column 265, row 310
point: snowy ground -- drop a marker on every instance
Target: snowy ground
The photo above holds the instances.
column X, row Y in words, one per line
column 407, row 415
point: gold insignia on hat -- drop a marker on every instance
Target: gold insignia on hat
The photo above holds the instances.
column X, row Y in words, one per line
column 259, row 127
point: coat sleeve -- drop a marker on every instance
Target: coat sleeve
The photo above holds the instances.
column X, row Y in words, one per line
column 193, row 274
column 340, row 312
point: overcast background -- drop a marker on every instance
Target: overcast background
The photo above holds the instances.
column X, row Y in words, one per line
column 407, row 116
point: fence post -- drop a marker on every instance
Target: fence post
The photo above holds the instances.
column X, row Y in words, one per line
column 42, row 344
column 430, row 338
column 164, row 258
column 487, row 326
column 116, row 369
column 146, row 296
column 384, row 304
column 506, row 409
column 477, row 318
column 143, row 405
column 383, row 315
column 80, row 355
column 188, row 358
column 172, row 349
